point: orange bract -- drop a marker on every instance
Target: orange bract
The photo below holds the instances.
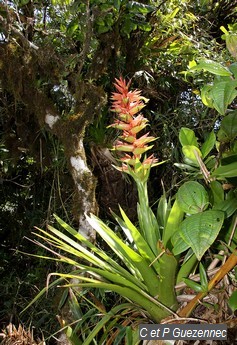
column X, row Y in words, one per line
column 126, row 104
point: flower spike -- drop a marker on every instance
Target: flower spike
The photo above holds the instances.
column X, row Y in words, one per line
column 127, row 106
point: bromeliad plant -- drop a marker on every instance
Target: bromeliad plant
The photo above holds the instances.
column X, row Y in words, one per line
column 146, row 275
column 147, row 266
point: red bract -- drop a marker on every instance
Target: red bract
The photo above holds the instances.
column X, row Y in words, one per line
column 126, row 104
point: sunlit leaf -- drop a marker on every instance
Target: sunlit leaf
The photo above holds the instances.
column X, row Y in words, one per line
column 192, row 197
column 205, row 96
column 212, row 67
column 187, row 137
column 132, row 259
column 190, row 154
column 175, row 217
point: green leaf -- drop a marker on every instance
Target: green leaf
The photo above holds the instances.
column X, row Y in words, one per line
column 167, row 274
column 148, row 224
column 108, row 264
column 129, row 335
column 135, row 262
column 103, row 321
column 212, row 67
column 229, row 170
column 61, row 2
column 41, row 293
column 74, row 305
column 145, row 27
column 151, row 305
column 231, row 44
column 208, row 144
column 193, row 285
column 233, row 69
column 187, row 267
column 203, row 277
column 162, row 211
column 128, row 26
column 141, row 244
column 187, row 137
column 23, row 2
column 179, row 244
column 117, row 4
column 221, row 136
column 192, row 197
column 191, row 152
column 217, row 192
column 205, row 96
column 200, row 230
column 223, row 93
column 137, row 7
column 173, row 222
column 72, row 27
column 186, row 167
column 228, row 206
column 229, row 125
column 233, row 301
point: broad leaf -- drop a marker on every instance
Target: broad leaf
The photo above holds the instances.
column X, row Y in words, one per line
column 192, row 197
column 228, row 206
column 191, row 152
column 200, row 230
column 205, row 96
column 208, row 144
column 179, row 244
column 229, row 125
column 212, row 67
column 223, row 93
column 217, row 192
column 229, row 170
column 233, row 69
column 187, row 137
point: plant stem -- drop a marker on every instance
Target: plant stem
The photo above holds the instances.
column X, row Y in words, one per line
column 227, row 267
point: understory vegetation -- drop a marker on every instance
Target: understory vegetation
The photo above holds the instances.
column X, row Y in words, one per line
column 118, row 155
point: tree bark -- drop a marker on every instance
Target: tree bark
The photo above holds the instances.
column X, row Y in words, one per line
column 19, row 66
